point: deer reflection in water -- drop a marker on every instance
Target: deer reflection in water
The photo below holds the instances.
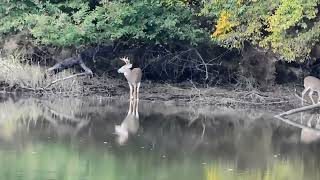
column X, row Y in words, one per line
column 130, row 124
column 311, row 134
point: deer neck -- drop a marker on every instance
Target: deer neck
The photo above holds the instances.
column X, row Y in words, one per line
column 127, row 72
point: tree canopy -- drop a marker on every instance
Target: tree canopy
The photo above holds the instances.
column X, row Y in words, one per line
column 289, row 28
column 80, row 22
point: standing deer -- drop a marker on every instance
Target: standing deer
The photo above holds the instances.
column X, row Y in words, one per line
column 133, row 77
column 313, row 84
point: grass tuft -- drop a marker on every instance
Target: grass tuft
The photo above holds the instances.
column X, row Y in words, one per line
column 16, row 72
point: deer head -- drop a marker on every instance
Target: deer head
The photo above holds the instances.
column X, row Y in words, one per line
column 125, row 67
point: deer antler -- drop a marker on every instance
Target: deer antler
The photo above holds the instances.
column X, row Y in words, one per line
column 125, row 59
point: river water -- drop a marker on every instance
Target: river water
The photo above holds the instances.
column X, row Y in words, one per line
column 95, row 138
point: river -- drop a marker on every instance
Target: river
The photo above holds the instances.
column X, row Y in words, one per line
column 95, row 138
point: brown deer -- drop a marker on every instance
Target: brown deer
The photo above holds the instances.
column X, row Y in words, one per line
column 313, row 84
column 133, row 77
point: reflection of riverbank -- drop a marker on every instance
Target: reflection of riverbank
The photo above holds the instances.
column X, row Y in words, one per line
column 75, row 136
column 100, row 115
column 165, row 124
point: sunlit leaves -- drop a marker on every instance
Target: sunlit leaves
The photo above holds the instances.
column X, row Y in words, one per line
column 277, row 25
column 223, row 25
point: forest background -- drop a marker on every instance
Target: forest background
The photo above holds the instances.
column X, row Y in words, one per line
column 243, row 43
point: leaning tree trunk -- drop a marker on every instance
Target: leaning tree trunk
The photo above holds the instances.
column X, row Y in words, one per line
column 67, row 63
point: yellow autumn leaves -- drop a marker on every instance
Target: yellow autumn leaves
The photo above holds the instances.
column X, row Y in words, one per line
column 224, row 25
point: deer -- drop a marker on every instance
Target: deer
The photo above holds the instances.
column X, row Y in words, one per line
column 133, row 77
column 129, row 125
column 313, row 84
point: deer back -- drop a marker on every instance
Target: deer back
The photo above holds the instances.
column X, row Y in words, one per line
column 312, row 82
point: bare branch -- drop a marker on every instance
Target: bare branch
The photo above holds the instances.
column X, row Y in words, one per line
column 65, row 78
column 203, row 63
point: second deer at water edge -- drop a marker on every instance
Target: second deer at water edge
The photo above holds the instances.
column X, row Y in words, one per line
column 313, row 84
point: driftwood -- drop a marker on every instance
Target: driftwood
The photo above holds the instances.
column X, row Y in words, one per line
column 297, row 124
column 65, row 64
column 62, row 79
column 53, row 82
column 297, row 110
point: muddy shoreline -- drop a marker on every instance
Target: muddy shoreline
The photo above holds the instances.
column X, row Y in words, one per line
column 278, row 97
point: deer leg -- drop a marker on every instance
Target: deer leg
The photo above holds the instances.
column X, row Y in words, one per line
column 130, row 86
column 137, row 101
column 130, row 107
column 317, row 125
column 138, row 87
column 135, row 91
column 318, row 93
column 310, row 120
column 303, row 94
column 310, row 95
column 136, row 110
column 134, row 107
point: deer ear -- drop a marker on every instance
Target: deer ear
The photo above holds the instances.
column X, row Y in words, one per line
column 129, row 65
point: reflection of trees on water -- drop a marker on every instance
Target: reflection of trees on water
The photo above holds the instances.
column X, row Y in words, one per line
column 17, row 115
column 243, row 141
column 279, row 170
column 27, row 114
column 65, row 116
column 268, row 150
column 311, row 131
column 309, row 125
column 306, row 146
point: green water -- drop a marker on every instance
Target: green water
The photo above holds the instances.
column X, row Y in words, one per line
column 75, row 139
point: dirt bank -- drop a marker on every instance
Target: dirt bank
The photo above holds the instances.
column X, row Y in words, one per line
column 278, row 97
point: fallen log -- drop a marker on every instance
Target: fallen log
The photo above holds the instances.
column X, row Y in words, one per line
column 67, row 63
column 297, row 110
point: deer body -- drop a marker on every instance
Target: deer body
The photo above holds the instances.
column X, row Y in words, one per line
column 133, row 77
column 311, row 84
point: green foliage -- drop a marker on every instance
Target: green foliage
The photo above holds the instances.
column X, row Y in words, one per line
column 75, row 22
column 290, row 28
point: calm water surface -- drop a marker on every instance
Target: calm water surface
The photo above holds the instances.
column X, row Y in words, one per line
column 97, row 139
